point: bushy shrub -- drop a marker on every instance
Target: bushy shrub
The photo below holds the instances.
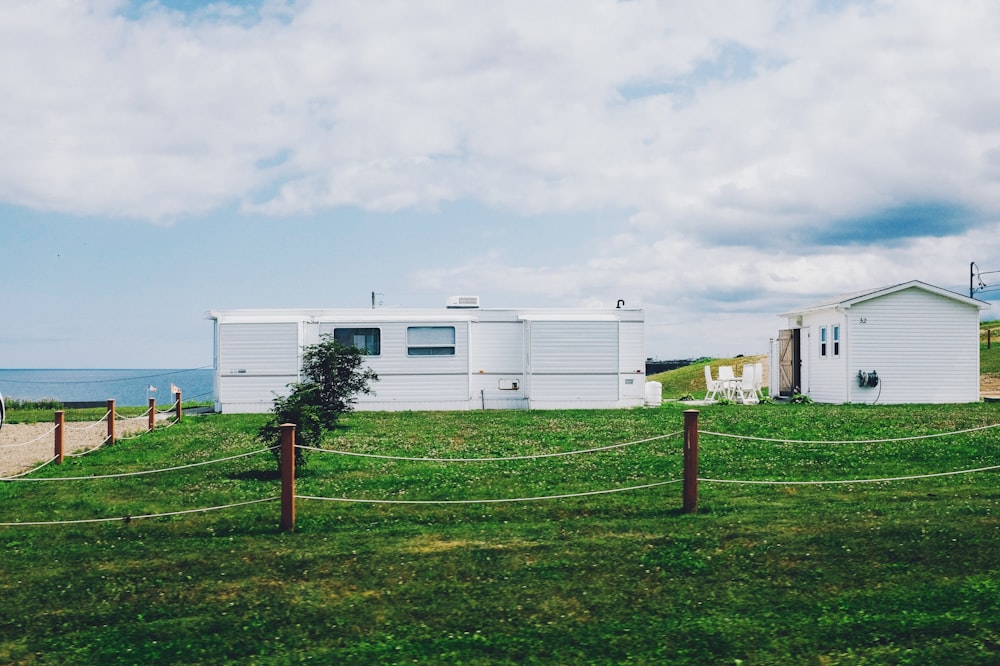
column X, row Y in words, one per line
column 333, row 377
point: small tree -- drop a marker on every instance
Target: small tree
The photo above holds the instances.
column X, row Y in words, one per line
column 333, row 377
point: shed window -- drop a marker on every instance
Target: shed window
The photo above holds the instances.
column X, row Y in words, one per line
column 368, row 339
column 430, row 341
column 822, row 341
column 836, row 339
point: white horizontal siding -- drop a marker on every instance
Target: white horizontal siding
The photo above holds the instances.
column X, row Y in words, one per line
column 259, row 349
column 251, row 394
column 632, row 350
column 924, row 347
column 418, row 388
column 496, row 347
column 632, row 386
column 565, row 387
column 585, row 347
column 496, row 387
column 632, row 360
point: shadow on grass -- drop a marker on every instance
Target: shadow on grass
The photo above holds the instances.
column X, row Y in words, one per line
column 257, row 475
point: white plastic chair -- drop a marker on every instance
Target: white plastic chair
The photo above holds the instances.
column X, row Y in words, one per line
column 727, row 381
column 758, row 380
column 747, row 391
column 712, row 385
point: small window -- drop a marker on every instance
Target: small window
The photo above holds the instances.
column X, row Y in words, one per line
column 836, row 339
column 430, row 341
column 368, row 339
column 822, row 341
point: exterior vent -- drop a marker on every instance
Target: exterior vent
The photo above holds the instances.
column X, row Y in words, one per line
column 463, row 301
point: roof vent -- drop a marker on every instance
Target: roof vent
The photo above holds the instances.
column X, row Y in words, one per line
column 463, row 301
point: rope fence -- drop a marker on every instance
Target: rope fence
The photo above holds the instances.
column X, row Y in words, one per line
column 128, row 519
column 31, row 441
column 110, row 419
column 536, row 456
column 288, row 496
column 890, row 440
column 121, row 475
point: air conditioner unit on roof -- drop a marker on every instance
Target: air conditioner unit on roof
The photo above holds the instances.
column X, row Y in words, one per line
column 463, row 301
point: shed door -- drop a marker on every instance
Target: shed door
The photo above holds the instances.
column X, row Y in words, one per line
column 789, row 361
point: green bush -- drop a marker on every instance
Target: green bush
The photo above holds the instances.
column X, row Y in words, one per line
column 333, row 379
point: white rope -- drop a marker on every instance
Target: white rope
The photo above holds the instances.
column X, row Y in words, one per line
column 17, row 477
column 528, row 457
column 118, row 417
column 30, row 441
column 147, row 515
column 96, row 423
column 849, row 441
column 882, row 480
column 489, row 501
column 148, row 471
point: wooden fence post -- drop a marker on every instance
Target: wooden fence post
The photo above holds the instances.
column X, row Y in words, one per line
column 288, row 477
column 60, row 438
column 152, row 414
column 111, row 421
column 177, row 405
column 690, row 461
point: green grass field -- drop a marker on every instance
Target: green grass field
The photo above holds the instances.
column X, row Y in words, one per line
column 857, row 573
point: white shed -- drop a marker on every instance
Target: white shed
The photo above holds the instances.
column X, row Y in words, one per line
column 908, row 343
column 453, row 358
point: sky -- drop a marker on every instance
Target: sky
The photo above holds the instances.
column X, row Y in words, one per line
column 713, row 163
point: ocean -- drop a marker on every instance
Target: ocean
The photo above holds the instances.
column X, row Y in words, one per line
column 128, row 388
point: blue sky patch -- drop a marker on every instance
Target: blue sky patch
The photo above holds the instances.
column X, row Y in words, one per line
column 732, row 62
column 892, row 225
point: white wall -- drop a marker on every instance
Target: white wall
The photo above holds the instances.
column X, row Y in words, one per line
column 824, row 379
column 582, row 360
column 256, row 362
column 924, row 347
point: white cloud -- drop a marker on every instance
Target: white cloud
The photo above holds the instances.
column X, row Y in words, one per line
column 519, row 104
column 736, row 138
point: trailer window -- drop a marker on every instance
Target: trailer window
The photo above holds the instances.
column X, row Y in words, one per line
column 430, row 341
column 836, row 339
column 822, row 341
column 369, row 339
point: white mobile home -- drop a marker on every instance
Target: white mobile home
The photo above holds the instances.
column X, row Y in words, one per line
column 456, row 358
column 908, row 343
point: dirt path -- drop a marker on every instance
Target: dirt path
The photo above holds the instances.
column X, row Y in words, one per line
column 989, row 386
column 26, row 445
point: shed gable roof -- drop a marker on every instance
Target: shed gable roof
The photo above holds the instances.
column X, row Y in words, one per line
column 847, row 300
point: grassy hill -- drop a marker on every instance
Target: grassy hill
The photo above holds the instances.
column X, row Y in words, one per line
column 690, row 380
